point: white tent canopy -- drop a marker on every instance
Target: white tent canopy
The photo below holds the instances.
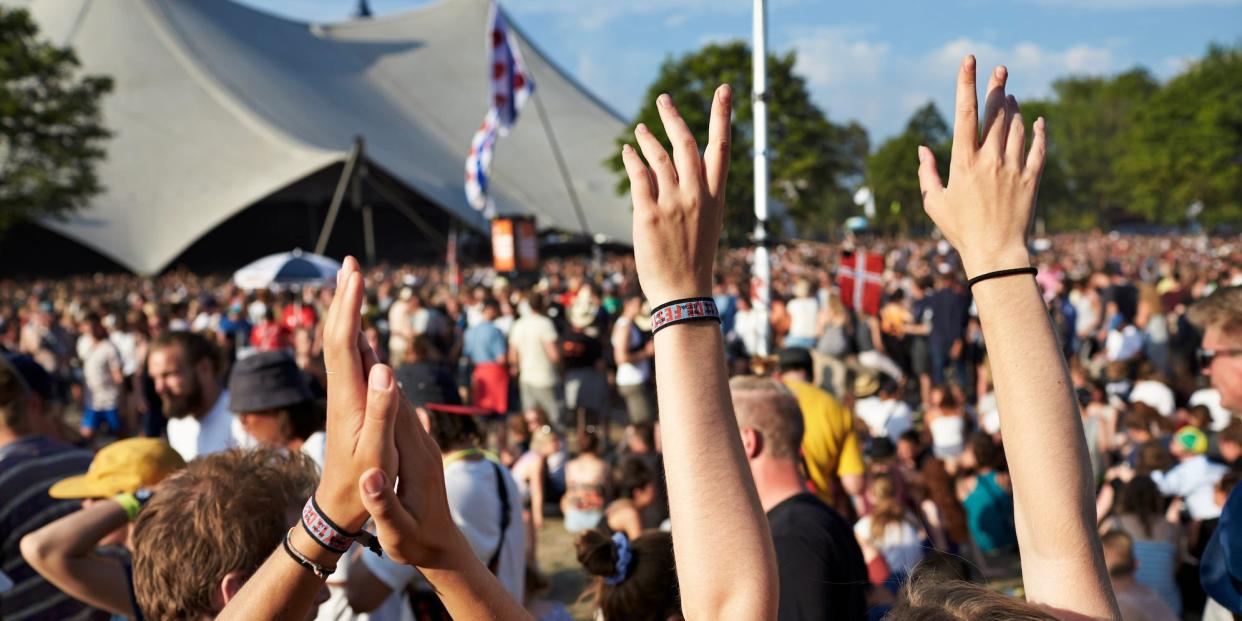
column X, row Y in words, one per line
column 218, row 105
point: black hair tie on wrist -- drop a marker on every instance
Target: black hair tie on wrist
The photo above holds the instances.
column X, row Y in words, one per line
column 1000, row 274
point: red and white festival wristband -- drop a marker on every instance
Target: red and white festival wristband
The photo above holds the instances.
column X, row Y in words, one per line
column 333, row 538
column 681, row 311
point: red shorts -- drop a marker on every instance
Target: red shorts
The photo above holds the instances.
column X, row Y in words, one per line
column 489, row 387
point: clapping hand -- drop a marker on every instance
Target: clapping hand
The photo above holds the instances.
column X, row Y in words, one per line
column 360, row 393
column 678, row 202
column 986, row 208
column 413, row 522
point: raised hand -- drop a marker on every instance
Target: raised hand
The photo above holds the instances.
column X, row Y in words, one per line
column 987, row 207
column 678, row 202
column 413, row 523
column 359, row 438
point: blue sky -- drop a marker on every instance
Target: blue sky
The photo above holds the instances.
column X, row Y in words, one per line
column 873, row 61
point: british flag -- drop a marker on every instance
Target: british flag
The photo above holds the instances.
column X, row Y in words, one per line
column 511, row 82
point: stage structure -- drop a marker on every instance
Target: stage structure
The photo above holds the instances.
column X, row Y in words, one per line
column 241, row 133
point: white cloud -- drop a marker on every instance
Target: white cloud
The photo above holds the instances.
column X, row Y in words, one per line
column 855, row 77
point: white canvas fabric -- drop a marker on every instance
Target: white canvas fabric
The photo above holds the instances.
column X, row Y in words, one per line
column 218, row 105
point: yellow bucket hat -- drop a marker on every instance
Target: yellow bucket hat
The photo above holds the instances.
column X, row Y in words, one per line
column 122, row 467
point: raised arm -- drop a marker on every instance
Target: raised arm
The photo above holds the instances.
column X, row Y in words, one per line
column 985, row 212
column 362, row 397
column 726, row 565
column 64, row 553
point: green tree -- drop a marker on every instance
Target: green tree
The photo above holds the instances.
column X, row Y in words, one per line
column 1057, row 206
column 1092, row 117
column 892, row 170
column 1185, row 144
column 814, row 163
column 51, row 136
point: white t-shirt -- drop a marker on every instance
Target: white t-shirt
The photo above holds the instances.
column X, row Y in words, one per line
column 218, row 431
column 102, row 391
column 803, row 317
column 127, row 347
column 1155, row 394
column 527, row 337
column 1210, row 397
column 631, row 373
column 1195, row 481
column 747, row 327
column 314, row 447
column 475, row 507
column 900, row 544
column 989, row 413
column 885, row 419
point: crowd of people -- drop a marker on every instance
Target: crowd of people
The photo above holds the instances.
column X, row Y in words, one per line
column 1074, row 442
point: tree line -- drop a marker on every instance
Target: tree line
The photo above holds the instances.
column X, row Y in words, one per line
column 1123, row 149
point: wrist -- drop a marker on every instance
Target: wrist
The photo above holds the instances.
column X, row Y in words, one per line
column 342, row 507
column 1011, row 258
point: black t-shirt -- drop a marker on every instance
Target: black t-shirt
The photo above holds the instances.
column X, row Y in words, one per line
column 579, row 351
column 949, row 314
column 1125, row 296
column 822, row 574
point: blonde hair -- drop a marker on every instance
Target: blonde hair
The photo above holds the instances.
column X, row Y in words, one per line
column 1222, row 309
column 885, row 509
column 931, row 596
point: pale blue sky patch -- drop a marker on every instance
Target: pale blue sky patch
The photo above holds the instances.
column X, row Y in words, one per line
column 874, row 62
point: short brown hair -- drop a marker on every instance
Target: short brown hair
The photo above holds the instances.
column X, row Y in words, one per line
column 1119, row 554
column 1222, row 309
column 223, row 513
column 14, row 399
column 767, row 406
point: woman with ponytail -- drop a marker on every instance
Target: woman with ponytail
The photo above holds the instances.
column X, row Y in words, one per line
column 632, row 579
column 889, row 531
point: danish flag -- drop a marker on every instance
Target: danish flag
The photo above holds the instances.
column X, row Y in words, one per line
column 861, row 281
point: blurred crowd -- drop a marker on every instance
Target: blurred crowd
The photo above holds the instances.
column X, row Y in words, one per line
column 550, row 377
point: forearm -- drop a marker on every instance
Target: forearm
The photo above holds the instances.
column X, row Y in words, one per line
column 281, row 588
column 469, row 591
column 727, row 567
column 63, row 552
column 1048, row 461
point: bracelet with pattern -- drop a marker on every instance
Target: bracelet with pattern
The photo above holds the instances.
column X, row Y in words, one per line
column 679, row 311
column 333, row 538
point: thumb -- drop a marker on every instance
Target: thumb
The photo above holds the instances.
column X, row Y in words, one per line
column 393, row 522
column 376, row 436
column 929, row 177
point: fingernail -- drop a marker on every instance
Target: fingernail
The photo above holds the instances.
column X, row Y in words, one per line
column 1000, row 72
column 381, row 377
column 920, row 150
column 373, row 482
column 626, row 148
column 663, row 100
column 642, row 128
column 969, row 61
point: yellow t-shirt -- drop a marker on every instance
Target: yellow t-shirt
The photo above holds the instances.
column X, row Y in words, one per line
column 829, row 443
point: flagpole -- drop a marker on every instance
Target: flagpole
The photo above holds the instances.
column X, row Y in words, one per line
column 761, row 285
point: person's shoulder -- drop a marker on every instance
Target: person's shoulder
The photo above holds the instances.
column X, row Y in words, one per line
column 804, row 513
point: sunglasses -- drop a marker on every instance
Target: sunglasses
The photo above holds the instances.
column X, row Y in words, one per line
column 1207, row 356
